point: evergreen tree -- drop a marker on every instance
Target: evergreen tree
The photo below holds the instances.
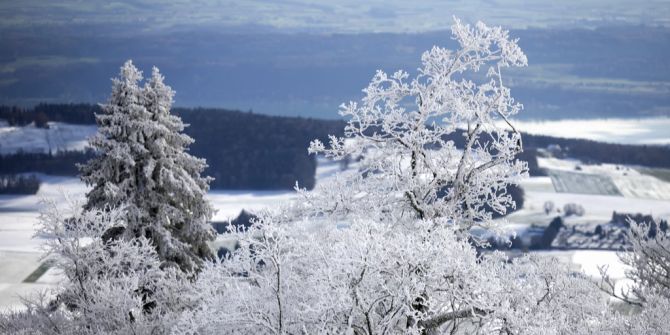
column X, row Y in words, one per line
column 143, row 165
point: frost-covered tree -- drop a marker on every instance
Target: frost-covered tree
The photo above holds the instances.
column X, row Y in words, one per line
column 143, row 165
column 404, row 129
column 378, row 278
column 145, row 213
column 648, row 262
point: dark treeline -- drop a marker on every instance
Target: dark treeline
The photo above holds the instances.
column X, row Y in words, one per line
column 59, row 164
column 16, row 184
column 639, row 218
column 253, row 151
column 42, row 113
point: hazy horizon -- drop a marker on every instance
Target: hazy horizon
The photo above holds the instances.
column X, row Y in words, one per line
column 587, row 59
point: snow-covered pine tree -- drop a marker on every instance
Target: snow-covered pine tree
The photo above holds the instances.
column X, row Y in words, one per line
column 144, row 165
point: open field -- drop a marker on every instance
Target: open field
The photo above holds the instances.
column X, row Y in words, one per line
column 59, row 137
column 597, row 207
column 582, row 183
column 571, row 176
column 628, row 131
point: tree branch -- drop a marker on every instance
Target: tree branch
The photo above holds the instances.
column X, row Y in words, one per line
column 439, row 320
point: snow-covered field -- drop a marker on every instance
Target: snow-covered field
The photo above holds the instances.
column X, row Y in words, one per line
column 582, row 183
column 58, row 137
column 597, row 208
column 626, row 131
column 636, row 192
column 571, row 176
column 20, row 253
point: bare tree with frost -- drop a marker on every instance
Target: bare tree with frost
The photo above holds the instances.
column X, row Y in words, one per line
column 143, row 164
column 404, row 130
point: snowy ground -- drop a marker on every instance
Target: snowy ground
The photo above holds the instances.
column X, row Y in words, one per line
column 59, row 137
column 637, row 193
column 20, row 254
column 589, row 262
column 596, row 207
